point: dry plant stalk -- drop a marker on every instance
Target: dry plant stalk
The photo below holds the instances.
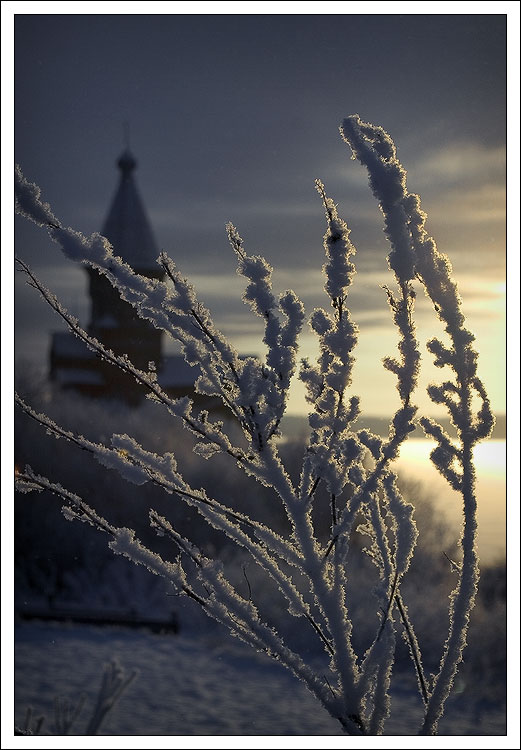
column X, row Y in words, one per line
column 356, row 690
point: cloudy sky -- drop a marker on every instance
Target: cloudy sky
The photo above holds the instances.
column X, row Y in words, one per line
column 232, row 117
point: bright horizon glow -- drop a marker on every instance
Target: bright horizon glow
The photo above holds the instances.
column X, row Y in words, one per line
column 490, row 463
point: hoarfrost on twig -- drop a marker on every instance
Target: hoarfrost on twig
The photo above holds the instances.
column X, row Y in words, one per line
column 362, row 494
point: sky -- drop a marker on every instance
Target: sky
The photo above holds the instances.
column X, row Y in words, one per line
column 231, row 118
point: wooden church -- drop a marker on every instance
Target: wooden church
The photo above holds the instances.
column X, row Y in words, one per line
column 113, row 321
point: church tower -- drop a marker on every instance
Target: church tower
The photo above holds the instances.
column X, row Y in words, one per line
column 73, row 366
column 114, row 321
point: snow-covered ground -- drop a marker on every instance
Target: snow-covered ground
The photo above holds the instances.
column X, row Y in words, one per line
column 195, row 684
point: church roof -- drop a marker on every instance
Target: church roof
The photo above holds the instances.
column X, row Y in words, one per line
column 127, row 226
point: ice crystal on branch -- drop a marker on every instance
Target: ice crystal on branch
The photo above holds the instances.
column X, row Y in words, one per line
column 352, row 466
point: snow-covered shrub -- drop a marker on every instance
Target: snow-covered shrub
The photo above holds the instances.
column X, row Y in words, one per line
column 351, row 466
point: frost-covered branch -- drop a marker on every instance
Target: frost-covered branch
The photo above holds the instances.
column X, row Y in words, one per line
column 414, row 254
column 265, row 387
column 138, row 466
column 220, row 600
column 213, row 437
column 352, row 466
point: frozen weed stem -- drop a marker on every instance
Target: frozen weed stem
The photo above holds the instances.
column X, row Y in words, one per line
column 356, row 691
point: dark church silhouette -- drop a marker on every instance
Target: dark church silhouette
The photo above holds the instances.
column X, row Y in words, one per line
column 113, row 321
